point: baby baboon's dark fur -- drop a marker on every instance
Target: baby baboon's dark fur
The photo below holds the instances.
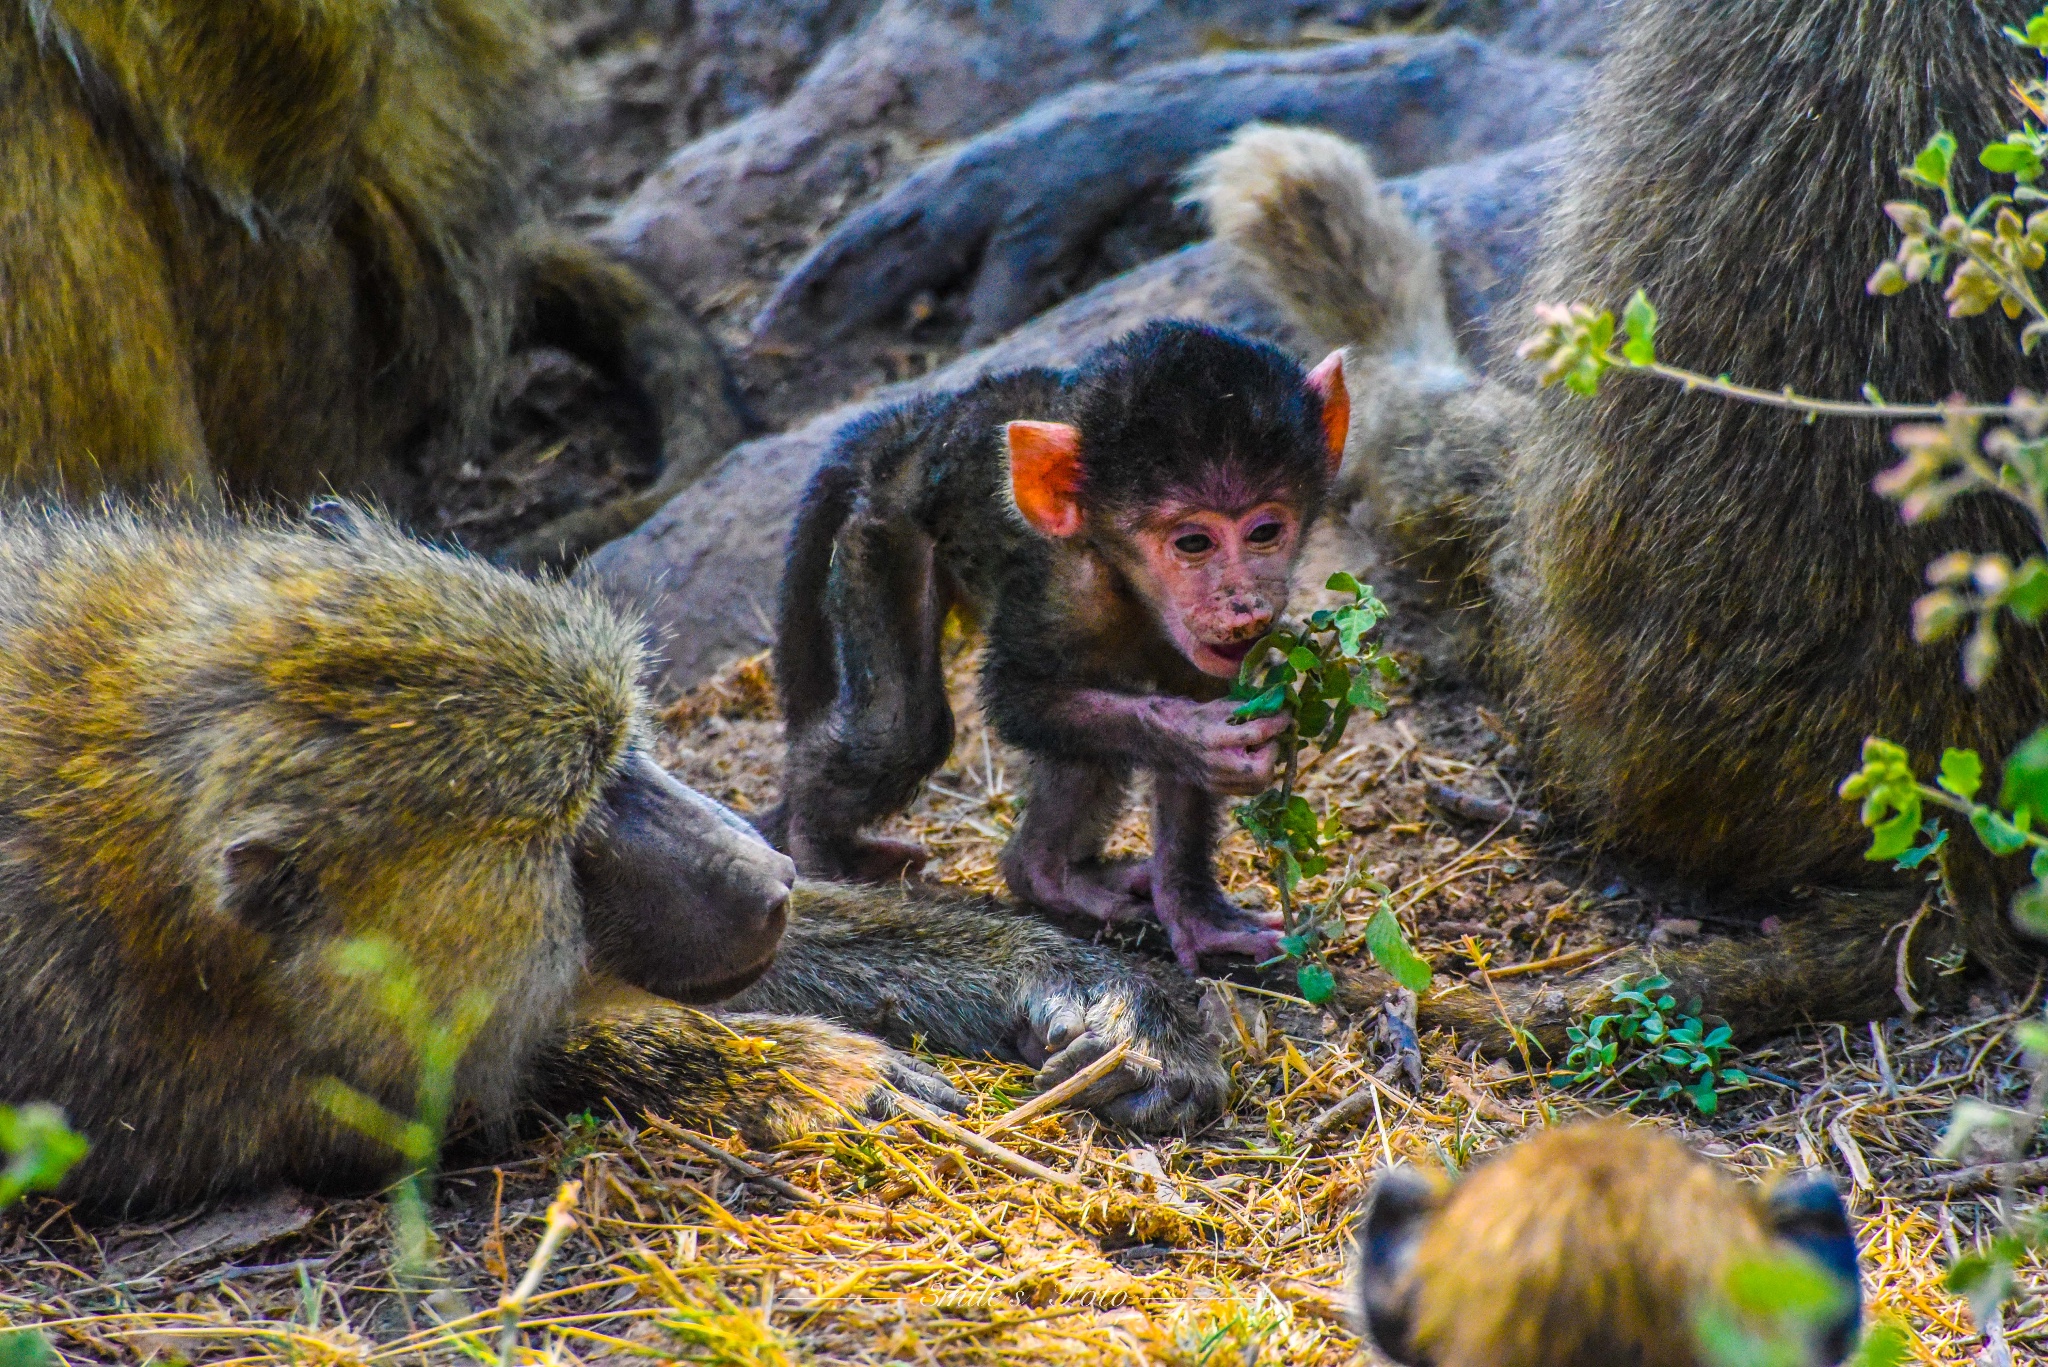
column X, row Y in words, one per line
column 1701, row 609
column 273, row 246
column 226, row 748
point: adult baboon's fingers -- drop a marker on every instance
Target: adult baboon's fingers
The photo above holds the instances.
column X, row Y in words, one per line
column 916, row 1078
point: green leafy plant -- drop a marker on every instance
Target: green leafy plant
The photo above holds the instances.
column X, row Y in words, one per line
column 40, row 1148
column 1319, row 674
column 438, row 1040
column 1652, row 1048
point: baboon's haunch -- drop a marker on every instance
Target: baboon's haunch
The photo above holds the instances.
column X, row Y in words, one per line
column 1701, row 608
column 226, row 749
column 273, row 247
column 1126, row 532
column 1596, row 1245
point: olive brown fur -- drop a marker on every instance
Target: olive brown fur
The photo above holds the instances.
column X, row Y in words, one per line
column 229, row 747
column 1597, row 1244
column 275, row 248
column 1701, row 609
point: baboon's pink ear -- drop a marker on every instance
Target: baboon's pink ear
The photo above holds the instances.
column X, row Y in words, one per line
column 1045, row 474
column 1327, row 380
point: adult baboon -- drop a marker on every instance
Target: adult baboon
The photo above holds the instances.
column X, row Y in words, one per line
column 1699, row 608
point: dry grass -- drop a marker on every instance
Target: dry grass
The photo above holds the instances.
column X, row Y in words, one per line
column 1206, row 1250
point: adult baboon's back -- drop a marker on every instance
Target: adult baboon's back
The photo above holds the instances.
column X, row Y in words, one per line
column 1701, row 608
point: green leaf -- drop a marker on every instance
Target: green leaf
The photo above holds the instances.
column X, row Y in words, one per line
column 1390, row 948
column 40, row 1149
column 2027, row 595
column 1294, row 946
column 1920, row 854
column 1962, row 773
column 1341, row 582
column 1999, row 835
column 25, row 1348
column 1931, row 167
column 2026, row 775
column 1886, row 1345
column 2012, row 158
column 2030, row 909
column 1891, row 838
column 1640, row 320
column 1304, row 659
column 1270, row 703
column 1310, row 719
column 1316, row 982
column 1982, row 1279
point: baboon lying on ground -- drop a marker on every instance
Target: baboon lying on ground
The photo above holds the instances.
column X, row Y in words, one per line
column 1701, row 609
column 273, row 247
column 228, row 749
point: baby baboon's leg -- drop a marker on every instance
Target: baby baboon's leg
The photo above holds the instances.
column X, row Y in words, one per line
column 641, row 1052
column 575, row 297
column 889, row 724
column 968, row 976
column 1822, row 964
column 1054, row 857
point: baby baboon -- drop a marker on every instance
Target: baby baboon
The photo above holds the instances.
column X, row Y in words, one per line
column 228, row 748
column 1701, row 609
column 1128, row 530
column 272, row 247
column 1595, row 1245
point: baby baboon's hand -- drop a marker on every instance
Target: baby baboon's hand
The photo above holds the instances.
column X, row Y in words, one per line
column 1208, row 748
column 1074, row 1021
column 813, row 1075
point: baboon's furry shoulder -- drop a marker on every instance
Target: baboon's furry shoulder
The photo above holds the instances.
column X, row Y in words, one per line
column 160, row 663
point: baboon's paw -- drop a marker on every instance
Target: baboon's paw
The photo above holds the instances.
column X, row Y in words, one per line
column 822, row 1075
column 1174, row 1075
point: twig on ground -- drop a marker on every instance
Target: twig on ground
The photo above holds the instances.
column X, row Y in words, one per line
column 739, row 1165
column 1062, row 1093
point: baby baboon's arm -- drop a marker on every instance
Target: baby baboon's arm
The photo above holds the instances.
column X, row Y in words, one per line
column 965, row 976
column 641, row 1052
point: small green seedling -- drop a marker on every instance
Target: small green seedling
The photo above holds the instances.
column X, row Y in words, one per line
column 1654, row 1049
column 40, row 1148
column 1319, row 674
column 438, row 1040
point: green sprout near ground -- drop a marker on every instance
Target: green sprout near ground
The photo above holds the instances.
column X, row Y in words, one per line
column 1652, row 1048
column 40, row 1148
column 1319, row 673
column 438, row 1040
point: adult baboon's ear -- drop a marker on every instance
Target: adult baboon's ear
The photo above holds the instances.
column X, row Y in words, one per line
column 1045, row 474
column 1402, row 1204
column 1327, row 380
column 259, row 884
column 1805, row 1210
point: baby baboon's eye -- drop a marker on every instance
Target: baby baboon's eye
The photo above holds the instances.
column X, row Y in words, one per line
column 1194, row 543
column 1265, row 534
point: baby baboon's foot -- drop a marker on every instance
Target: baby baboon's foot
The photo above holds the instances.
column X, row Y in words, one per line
column 1174, row 1074
column 1103, row 890
column 833, row 1073
column 1202, row 921
column 874, row 859
column 854, row 859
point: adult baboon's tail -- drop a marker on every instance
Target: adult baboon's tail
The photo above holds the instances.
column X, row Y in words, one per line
column 1304, row 211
